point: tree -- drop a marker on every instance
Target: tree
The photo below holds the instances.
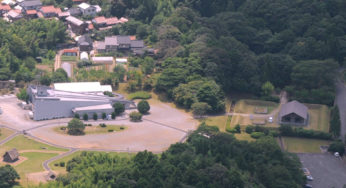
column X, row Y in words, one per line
column 135, row 116
column 211, row 94
column 104, row 115
column 335, row 124
column 113, row 115
column 143, row 107
column 76, row 116
column 200, row 108
column 45, row 80
column 23, row 95
column 118, row 108
column 75, row 127
column 267, row 88
column 8, row 176
column 85, row 117
column 95, row 116
column 337, row 146
column 59, row 75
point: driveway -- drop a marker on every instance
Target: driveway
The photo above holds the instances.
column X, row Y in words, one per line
column 327, row 170
column 340, row 100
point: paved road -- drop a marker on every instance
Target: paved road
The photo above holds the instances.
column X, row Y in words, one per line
column 46, row 163
column 327, row 170
column 340, row 100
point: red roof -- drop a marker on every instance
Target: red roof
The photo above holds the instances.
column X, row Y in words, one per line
column 112, row 21
column 90, row 26
column 31, row 12
column 133, row 37
column 50, row 9
column 70, row 51
column 5, row 7
column 100, row 20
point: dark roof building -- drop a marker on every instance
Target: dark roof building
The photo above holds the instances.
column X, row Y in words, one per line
column 11, row 156
column 85, row 43
column 75, row 11
column 294, row 113
column 31, row 4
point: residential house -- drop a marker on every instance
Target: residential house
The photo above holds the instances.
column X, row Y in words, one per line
column 63, row 15
column 75, row 11
column 101, row 21
column 78, row 26
column 11, row 156
column 4, row 9
column 31, row 5
column 31, row 14
column 294, row 113
column 137, row 47
column 85, row 43
column 14, row 15
column 87, row 10
column 70, row 52
column 50, row 11
column 120, row 43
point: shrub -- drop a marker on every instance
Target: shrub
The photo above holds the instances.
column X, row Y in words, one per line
column 139, row 95
column 249, row 129
column 85, row 117
column 113, row 115
column 104, row 115
column 135, row 116
column 257, row 135
column 118, row 108
column 76, row 116
column 103, row 125
column 62, row 163
column 231, row 130
column 335, row 124
column 337, row 146
column 62, row 128
column 288, row 130
column 122, row 128
column 108, row 93
column 273, row 133
column 95, row 116
column 237, row 128
column 110, row 130
column 143, row 107
column 56, row 164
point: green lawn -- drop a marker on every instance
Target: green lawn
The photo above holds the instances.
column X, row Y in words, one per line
column 69, row 157
column 219, row 121
column 95, row 129
column 303, row 145
column 4, row 133
column 248, row 106
column 244, row 136
column 319, row 117
column 68, row 58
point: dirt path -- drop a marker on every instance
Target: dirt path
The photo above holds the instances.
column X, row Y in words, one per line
column 40, row 151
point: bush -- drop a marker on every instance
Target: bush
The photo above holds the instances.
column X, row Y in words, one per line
column 113, row 115
column 118, row 108
column 139, row 95
column 85, row 117
column 108, row 93
column 122, row 128
column 273, row 133
column 257, row 135
column 62, row 163
column 288, row 130
column 76, row 116
column 335, row 124
column 231, row 130
column 135, row 116
column 95, row 116
column 103, row 125
column 110, row 130
column 56, row 164
column 143, row 107
column 249, row 129
column 237, row 128
column 62, row 128
column 337, row 146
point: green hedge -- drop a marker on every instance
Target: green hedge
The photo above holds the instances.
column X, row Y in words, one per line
column 139, row 95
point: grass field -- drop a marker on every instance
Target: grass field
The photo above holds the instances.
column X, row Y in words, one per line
column 248, row 106
column 319, row 117
column 219, row 121
column 94, row 129
column 244, row 136
column 303, row 145
column 4, row 133
column 68, row 58
column 59, row 169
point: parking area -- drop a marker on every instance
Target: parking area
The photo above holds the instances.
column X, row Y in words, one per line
column 327, row 170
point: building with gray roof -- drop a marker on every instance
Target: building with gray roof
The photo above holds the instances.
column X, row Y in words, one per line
column 294, row 113
column 85, row 43
column 49, row 103
column 11, row 156
column 31, row 4
column 120, row 43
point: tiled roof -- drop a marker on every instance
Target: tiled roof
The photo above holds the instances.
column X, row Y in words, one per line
column 5, row 7
column 31, row 12
column 99, row 20
column 50, row 9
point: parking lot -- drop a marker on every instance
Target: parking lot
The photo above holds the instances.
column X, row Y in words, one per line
column 327, row 170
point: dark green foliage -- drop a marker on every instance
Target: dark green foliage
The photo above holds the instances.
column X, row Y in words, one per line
column 218, row 160
column 237, row 128
column 335, row 124
column 135, row 116
column 288, row 130
column 60, row 75
column 113, row 115
column 77, row 116
column 95, row 116
column 118, row 108
column 249, row 129
column 22, row 95
column 104, row 115
column 75, row 127
column 108, row 93
column 257, row 135
column 85, row 117
column 8, row 176
column 45, row 80
column 103, row 125
column 62, row 164
column 143, row 107
column 337, row 146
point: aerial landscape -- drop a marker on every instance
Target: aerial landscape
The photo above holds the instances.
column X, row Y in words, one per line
column 173, row 93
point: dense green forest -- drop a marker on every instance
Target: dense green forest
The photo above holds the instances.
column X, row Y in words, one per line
column 23, row 41
column 208, row 159
column 240, row 44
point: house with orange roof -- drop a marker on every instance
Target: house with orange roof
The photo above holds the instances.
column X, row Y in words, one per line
column 50, row 11
column 4, row 9
column 31, row 14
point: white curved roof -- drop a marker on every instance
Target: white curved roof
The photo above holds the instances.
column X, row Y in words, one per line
column 84, row 55
column 82, row 87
